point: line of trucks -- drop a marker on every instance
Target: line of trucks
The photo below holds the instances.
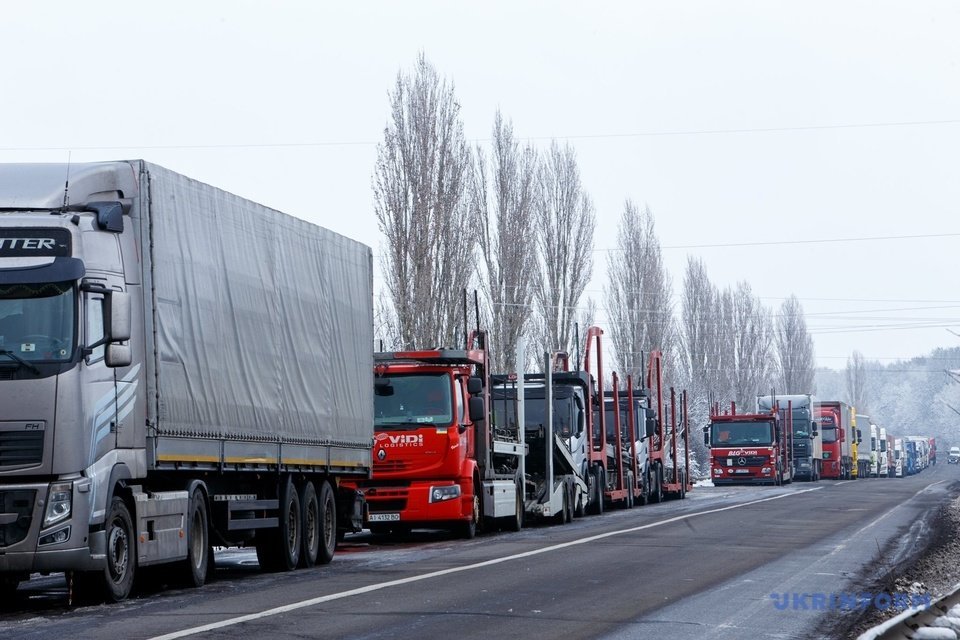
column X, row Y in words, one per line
column 794, row 437
column 181, row 368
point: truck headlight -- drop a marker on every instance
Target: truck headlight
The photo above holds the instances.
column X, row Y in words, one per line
column 59, row 503
column 448, row 492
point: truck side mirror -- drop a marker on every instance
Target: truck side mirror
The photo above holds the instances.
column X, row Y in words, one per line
column 859, row 436
column 706, row 436
column 119, row 327
column 118, row 355
column 813, row 429
column 476, row 408
column 474, row 385
column 382, row 387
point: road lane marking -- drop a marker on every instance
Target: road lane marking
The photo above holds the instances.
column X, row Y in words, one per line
column 444, row 572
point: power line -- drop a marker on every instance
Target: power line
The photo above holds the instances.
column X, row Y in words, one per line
column 586, row 136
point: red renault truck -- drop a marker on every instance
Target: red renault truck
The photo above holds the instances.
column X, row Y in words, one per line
column 433, row 451
column 750, row 448
column 833, row 416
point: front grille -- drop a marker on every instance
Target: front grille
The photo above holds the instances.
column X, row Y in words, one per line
column 19, row 448
column 20, row 505
column 748, row 461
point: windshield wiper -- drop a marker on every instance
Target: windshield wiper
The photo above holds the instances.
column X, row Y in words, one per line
column 20, row 361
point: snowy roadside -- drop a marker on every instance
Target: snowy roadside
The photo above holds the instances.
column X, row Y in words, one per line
column 936, row 571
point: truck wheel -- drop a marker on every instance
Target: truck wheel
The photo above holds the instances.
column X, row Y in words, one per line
column 657, row 495
column 468, row 530
column 683, row 485
column 194, row 568
column 596, row 497
column 561, row 516
column 291, row 531
column 310, row 525
column 571, row 500
column 115, row 582
column 326, row 524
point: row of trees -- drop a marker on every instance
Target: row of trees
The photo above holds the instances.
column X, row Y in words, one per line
column 517, row 222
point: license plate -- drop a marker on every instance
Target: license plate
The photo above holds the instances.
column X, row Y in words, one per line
column 383, row 517
column 742, row 471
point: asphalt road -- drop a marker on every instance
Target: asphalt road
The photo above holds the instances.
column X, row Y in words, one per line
column 704, row 567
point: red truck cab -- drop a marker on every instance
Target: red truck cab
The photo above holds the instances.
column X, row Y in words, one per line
column 747, row 448
column 833, row 418
column 427, row 407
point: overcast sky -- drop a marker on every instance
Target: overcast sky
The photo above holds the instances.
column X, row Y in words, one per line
column 735, row 122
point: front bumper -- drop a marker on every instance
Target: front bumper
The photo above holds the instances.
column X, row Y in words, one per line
column 21, row 530
column 412, row 505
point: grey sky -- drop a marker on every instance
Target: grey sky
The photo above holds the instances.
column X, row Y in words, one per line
column 305, row 84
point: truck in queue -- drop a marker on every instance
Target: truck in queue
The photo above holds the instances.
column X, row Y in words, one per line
column 749, row 448
column 886, row 453
column 868, row 450
column 180, row 368
column 807, row 451
column 899, row 458
column 837, row 436
column 434, row 446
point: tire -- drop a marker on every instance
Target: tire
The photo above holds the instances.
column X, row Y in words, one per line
column 596, row 496
column 309, row 525
column 194, row 569
column 327, row 524
column 561, row 517
column 658, row 486
column 115, row 582
column 279, row 549
column 468, row 529
column 571, row 499
column 291, row 529
column 683, row 485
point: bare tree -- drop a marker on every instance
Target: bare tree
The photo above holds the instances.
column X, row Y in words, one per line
column 856, row 375
column 699, row 348
column 421, row 200
column 638, row 298
column 565, row 222
column 504, row 212
column 795, row 359
column 751, row 328
column 700, row 335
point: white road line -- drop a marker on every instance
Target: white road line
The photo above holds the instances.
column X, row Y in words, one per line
column 444, row 572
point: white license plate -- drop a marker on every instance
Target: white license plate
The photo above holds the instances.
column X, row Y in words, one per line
column 383, row 517
column 742, row 471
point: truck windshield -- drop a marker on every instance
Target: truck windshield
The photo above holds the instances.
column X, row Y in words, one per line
column 413, row 399
column 505, row 415
column 37, row 321
column 829, row 433
column 801, row 423
column 737, row 434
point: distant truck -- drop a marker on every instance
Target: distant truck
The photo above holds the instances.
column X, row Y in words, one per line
column 749, row 448
column 807, row 447
column 886, row 454
column 868, row 451
column 899, row 458
column 837, row 435
column 179, row 368
column 954, row 455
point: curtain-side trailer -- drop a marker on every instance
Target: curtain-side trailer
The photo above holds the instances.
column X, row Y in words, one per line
column 179, row 368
